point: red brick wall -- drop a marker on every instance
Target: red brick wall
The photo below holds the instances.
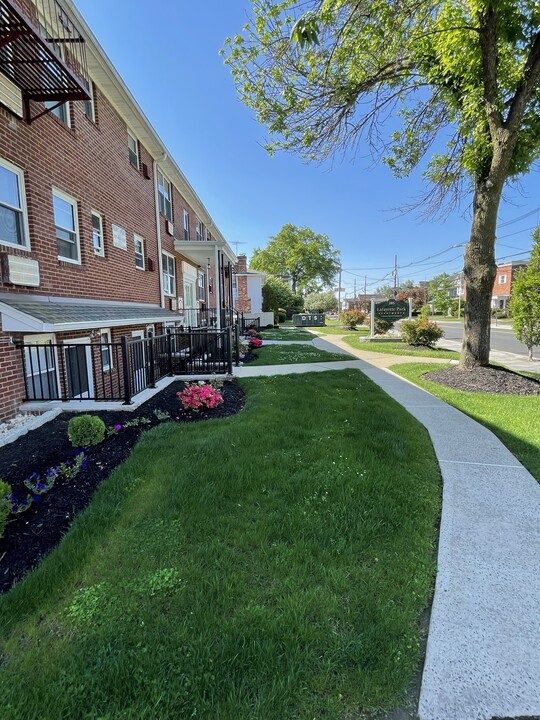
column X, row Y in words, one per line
column 243, row 302
column 89, row 162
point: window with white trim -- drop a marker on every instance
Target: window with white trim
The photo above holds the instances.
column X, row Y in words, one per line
column 201, row 287
column 13, row 217
column 133, row 150
column 199, row 230
column 88, row 107
column 106, row 350
column 61, row 112
column 97, row 234
column 169, row 274
column 67, row 227
column 164, row 195
column 502, row 279
column 138, row 242
column 186, row 225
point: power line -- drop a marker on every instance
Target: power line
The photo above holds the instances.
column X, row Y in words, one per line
column 517, row 219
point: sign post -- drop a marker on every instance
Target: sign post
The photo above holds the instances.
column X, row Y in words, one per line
column 372, row 319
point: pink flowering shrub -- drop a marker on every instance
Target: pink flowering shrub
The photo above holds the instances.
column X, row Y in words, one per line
column 199, row 395
column 255, row 342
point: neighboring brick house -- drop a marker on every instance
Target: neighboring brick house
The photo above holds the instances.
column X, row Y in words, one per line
column 247, row 287
column 101, row 234
column 502, row 287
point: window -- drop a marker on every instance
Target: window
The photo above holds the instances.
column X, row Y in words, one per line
column 164, row 194
column 88, row 105
column 13, row 219
column 60, row 111
column 502, row 279
column 139, row 251
column 186, row 225
column 66, row 223
column 199, row 230
column 106, row 350
column 133, row 150
column 169, row 274
column 97, row 234
column 200, row 287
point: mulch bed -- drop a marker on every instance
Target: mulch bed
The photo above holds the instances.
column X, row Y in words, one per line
column 489, row 379
column 31, row 535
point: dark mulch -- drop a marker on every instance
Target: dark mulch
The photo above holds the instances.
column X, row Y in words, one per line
column 31, row 535
column 489, row 379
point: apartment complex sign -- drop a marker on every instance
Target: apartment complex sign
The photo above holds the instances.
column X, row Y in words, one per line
column 392, row 310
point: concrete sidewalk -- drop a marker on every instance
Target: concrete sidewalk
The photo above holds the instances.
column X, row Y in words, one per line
column 483, row 650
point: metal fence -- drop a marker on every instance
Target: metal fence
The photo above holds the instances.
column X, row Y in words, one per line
column 119, row 371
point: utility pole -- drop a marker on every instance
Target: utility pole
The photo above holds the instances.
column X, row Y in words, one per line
column 365, row 293
column 355, row 288
column 339, row 290
column 395, row 276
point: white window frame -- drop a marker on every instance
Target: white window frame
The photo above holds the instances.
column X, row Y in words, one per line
column 141, row 254
column 166, row 184
column 132, row 137
column 199, row 229
column 22, row 209
column 61, row 112
column 106, row 367
column 101, row 250
column 503, row 279
column 201, row 286
column 90, row 102
column 73, row 202
column 166, row 277
column 186, row 225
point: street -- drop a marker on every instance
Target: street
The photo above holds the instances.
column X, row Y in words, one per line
column 502, row 336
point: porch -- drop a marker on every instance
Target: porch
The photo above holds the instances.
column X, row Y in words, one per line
column 119, row 373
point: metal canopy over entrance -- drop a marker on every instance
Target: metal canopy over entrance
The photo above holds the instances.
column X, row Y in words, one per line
column 43, row 53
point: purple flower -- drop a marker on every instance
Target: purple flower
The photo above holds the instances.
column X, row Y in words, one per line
column 117, row 427
column 36, row 498
column 41, row 486
column 24, row 503
column 15, row 508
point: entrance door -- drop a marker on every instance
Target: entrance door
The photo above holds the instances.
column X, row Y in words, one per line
column 42, row 381
column 78, row 359
column 190, row 303
column 138, row 362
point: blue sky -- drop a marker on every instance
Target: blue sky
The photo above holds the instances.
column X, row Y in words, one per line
column 168, row 54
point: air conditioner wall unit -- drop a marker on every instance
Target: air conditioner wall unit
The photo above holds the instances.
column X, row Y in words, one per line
column 20, row 270
column 170, row 228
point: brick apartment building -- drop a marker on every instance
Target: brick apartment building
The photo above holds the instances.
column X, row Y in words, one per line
column 101, row 235
column 247, row 288
column 502, row 287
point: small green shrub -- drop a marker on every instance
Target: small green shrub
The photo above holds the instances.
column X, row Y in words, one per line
column 5, row 505
column 352, row 318
column 425, row 311
column 420, row 332
column 86, row 430
column 282, row 315
column 382, row 326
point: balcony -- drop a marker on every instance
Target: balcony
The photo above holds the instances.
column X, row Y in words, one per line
column 43, row 53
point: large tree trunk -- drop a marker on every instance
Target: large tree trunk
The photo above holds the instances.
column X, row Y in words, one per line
column 480, row 271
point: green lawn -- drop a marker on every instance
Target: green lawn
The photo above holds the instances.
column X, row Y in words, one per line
column 269, row 566
column 336, row 329
column 292, row 354
column 513, row 418
column 286, row 334
column 399, row 348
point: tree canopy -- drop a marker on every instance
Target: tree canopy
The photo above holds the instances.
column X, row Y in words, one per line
column 300, row 254
column 439, row 292
column 321, row 301
column 405, row 77
column 525, row 300
column 277, row 294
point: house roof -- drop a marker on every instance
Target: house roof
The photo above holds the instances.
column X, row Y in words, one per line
column 31, row 315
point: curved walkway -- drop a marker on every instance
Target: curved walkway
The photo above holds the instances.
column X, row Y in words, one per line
column 483, row 649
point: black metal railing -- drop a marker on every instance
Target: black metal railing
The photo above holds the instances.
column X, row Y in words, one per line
column 246, row 323
column 119, row 371
column 208, row 318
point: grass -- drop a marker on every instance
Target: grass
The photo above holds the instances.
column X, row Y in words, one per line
column 399, row 348
column 298, row 353
column 272, row 565
column 281, row 334
column 513, row 418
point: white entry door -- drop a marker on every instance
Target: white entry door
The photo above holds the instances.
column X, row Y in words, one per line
column 138, row 363
column 190, row 304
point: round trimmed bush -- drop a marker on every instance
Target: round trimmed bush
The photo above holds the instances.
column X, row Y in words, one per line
column 86, row 430
column 420, row 332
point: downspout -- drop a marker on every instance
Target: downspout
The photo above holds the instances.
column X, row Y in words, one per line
column 158, row 232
